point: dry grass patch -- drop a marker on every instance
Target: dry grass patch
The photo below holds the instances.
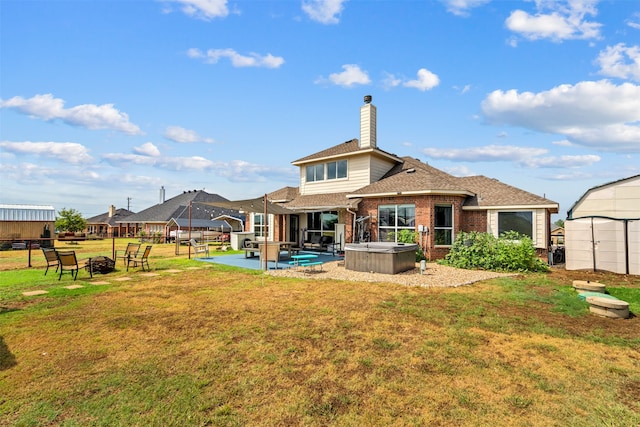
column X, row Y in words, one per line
column 227, row 347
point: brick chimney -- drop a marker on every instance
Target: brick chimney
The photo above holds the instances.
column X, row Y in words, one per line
column 112, row 211
column 368, row 124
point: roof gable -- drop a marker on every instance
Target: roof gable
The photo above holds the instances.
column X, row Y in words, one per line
column 347, row 148
column 178, row 207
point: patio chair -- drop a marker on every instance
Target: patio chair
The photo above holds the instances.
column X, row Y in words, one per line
column 200, row 248
column 51, row 257
column 142, row 259
column 68, row 262
column 272, row 253
column 131, row 251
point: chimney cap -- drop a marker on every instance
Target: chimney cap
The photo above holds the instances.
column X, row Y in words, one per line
column 367, row 99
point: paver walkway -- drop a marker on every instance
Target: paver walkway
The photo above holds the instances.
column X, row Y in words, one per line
column 104, row 282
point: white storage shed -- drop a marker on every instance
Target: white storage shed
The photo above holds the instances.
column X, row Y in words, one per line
column 602, row 230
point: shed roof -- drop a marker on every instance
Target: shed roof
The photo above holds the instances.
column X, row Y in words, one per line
column 27, row 213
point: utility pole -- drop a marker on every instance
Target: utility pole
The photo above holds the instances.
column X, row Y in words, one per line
column 128, row 203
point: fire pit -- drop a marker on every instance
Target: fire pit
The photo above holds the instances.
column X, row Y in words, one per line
column 380, row 257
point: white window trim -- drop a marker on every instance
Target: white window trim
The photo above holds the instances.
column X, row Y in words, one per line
column 269, row 224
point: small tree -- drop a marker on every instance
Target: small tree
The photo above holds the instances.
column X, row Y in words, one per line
column 70, row 220
column 559, row 223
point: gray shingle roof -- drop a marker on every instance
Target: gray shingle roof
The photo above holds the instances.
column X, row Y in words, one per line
column 491, row 192
column 321, row 202
column 347, row 147
column 413, row 176
column 120, row 215
column 178, row 207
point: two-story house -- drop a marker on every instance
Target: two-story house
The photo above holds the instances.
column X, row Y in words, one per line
column 355, row 191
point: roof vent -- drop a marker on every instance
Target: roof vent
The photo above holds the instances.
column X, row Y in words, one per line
column 367, row 99
column 412, row 170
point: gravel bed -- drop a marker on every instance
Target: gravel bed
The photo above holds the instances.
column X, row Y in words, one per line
column 435, row 276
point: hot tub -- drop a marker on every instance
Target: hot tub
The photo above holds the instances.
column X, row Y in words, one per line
column 380, row 257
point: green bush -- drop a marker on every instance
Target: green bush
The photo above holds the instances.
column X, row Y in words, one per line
column 510, row 252
column 408, row 236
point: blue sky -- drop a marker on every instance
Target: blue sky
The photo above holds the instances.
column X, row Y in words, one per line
column 104, row 102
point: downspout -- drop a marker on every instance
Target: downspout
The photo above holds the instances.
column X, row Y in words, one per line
column 626, row 245
column 593, row 245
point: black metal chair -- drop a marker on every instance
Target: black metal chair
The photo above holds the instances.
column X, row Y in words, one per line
column 51, row 257
column 68, row 262
column 131, row 251
column 142, row 259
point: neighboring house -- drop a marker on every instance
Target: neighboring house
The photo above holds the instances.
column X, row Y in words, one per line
column 109, row 224
column 354, row 191
column 603, row 228
column 19, row 223
column 557, row 236
column 161, row 219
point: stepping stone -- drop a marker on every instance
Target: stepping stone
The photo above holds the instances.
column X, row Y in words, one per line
column 122, row 279
column 100, row 283
column 586, row 285
column 149, row 274
column 31, row 293
column 606, row 307
column 172, row 271
column 74, row 287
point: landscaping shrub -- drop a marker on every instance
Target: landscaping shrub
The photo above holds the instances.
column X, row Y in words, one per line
column 408, row 236
column 510, row 252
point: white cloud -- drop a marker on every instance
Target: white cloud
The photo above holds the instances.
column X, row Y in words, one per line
column 634, row 21
column 203, row 9
column 390, row 81
column 182, row 135
column 147, row 149
column 597, row 114
column 212, row 56
column 233, row 171
column 489, row 153
column 462, row 7
column 459, row 171
column 69, row 152
column 563, row 143
column 426, row 80
column 90, row 116
column 556, row 21
column 323, row 11
column 524, row 156
column 620, row 61
column 352, row 75
column 561, row 161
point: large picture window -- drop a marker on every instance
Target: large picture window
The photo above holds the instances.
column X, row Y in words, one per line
column 521, row 221
column 443, row 225
column 321, row 223
column 393, row 218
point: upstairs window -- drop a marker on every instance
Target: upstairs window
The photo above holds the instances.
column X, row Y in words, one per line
column 337, row 169
column 315, row 173
column 326, row 171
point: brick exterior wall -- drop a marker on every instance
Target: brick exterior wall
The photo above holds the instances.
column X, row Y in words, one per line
column 462, row 221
